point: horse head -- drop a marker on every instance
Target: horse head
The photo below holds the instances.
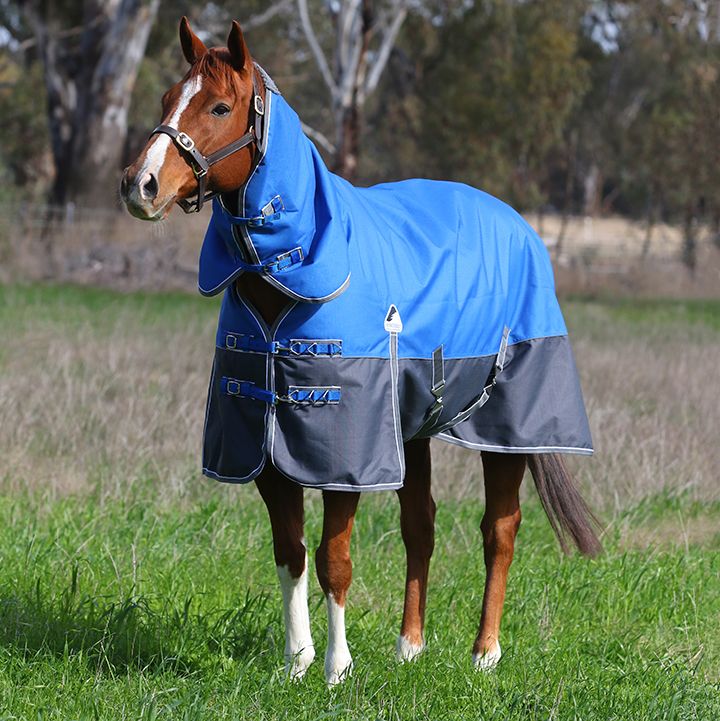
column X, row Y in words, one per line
column 206, row 139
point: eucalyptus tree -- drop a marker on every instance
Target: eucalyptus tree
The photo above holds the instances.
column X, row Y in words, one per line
column 90, row 52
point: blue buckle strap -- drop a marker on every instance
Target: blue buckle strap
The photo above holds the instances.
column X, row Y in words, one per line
column 246, row 389
column 297, row 395
column 295, row 347
column 248, row 343
column 270, row 211
column 284, row 261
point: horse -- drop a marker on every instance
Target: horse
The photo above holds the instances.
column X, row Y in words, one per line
column 227, row 134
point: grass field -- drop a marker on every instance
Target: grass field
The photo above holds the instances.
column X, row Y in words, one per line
column 131, row 588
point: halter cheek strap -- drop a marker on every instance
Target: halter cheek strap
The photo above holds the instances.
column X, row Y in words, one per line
column 200, row 163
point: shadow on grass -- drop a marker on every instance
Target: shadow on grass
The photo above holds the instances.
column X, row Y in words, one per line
column 116, row 636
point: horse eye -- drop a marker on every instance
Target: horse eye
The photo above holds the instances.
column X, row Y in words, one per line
column 220, row 110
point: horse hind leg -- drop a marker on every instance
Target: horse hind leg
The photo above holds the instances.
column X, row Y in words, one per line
column 503, row 476
column 334, row 571
column 417, row 524
column 284, row 501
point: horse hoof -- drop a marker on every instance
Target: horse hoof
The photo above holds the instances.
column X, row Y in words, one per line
column 488, row 659
column 405, row 650
column 297, row 664
column 337, row 670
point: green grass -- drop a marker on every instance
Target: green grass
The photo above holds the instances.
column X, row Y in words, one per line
column 152, row 601
column 133, row 609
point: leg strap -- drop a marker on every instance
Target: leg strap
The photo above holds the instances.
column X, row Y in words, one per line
column 438, row 385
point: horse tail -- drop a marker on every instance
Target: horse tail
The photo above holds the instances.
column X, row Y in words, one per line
column 569, row 515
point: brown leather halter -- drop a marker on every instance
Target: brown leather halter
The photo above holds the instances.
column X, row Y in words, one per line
column 201, row 164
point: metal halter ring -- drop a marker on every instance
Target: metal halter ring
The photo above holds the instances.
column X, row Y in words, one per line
column 186, row 141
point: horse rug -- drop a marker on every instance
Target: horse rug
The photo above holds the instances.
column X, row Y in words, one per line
column 417, row 308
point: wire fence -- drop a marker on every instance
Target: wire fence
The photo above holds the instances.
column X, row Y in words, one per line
column 107, row 247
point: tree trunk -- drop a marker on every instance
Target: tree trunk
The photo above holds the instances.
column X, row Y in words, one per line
column 568, row 194
column 592, row 191
column 689, row 252
column 348, row 115
column 89, row 87
column 345, row 162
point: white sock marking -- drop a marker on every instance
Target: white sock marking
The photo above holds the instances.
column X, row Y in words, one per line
column 405, row 650
column 338, row 662
column 155, row 156
column 488, row 660
column 299, row 649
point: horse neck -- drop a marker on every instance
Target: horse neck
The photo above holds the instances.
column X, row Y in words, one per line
column 268, row 301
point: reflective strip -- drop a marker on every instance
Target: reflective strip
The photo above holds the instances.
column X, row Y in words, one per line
column 393, row 325
column 500, row 362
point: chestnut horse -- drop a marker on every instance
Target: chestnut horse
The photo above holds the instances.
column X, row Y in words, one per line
column 210, row 108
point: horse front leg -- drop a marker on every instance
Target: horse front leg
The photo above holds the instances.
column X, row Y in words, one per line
column 503, row 476
column 417, row 525
column 284, row 501
column 334, row 571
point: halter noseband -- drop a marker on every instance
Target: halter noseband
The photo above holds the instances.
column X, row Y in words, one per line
column 200, row 163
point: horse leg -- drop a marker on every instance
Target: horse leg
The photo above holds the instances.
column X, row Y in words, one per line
column 417, row 524
column 284, row 501
column 503, row 476
column 334, row 571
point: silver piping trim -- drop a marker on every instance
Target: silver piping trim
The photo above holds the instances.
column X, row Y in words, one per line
column 514, row 449
column 304, row 299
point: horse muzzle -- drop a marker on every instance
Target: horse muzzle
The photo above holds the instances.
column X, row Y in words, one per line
column 140, row 195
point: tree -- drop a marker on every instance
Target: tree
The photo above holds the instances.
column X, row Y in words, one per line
column 498, row 95
column 90, row 55
column 363, row 35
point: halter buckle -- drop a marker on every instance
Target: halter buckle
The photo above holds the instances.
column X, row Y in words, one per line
column 259, row 105
column 185, row 141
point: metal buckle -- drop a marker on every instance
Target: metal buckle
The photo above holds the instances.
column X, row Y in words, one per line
column 259, row 105
column 228, row 343
column 199, row 173
column 232, row 388
column 185, row 141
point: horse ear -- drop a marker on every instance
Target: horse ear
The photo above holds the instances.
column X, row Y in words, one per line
column 239, row 53
column 193, row 48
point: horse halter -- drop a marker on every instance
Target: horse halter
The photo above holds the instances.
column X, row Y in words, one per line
column 200, row 163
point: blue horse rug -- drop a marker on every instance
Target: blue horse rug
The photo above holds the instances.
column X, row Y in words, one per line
column 415, row 309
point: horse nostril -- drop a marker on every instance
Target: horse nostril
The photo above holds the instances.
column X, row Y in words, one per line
column 149, row 187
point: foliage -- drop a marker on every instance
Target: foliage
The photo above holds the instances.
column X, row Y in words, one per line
column 496, row 98
column 585, row 105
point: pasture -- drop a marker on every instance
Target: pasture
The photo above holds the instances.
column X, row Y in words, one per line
column 133, row 588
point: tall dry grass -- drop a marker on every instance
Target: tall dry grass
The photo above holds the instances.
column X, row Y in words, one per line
column 101, row 395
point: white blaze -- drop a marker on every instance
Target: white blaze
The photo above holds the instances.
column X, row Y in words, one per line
column 155, row 156
column 299, row 649
column 338, row 662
